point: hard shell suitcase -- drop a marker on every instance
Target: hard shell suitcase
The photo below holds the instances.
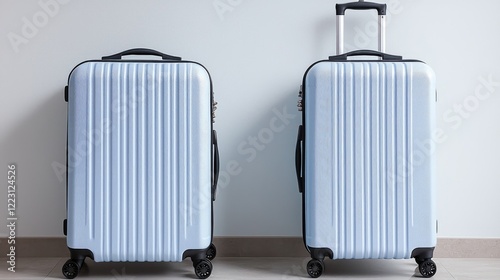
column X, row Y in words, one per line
column 364, row 156
column 142, row 161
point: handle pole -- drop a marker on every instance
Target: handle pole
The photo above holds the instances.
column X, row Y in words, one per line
column 382, row 33
column 361, row 5
column 340, row 34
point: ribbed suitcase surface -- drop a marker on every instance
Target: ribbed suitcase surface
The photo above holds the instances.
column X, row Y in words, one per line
column 139, row 155
column 369, row 169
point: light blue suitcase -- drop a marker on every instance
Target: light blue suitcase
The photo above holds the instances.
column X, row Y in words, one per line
column 364, row 157
column 142, row 162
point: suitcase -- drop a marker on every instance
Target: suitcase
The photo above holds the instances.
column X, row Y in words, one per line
column 142, row 161
column 364, row 156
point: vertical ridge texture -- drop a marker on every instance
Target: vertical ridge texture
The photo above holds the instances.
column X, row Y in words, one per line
column 359, row 159
column 139, row 180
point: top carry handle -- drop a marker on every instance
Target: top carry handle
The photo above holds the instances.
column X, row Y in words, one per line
column 141, row 51
column 361, row 5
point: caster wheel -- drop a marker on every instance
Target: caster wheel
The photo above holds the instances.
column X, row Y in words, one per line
column 203, row 269
column 419, row 261
column 315, row 268
column 70, row 269
column 211, row 252
column 427, row 268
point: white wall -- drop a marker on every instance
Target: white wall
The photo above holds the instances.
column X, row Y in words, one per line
column 257, row 52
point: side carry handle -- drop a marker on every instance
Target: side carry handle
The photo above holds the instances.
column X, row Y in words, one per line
column 298, row 160
column 384, row 56
column 216, row 166
column 141, row 51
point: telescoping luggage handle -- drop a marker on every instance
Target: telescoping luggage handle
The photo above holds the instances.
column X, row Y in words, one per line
column 361, row 5
column 141, row 51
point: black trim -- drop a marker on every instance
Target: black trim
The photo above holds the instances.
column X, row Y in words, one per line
column 80, row 254
column 423, row 253
column 212, row 224
column 304, row 221
column 381, row 8
column 66, row 93
column 195, row 254
column 65, row 227
column 67, row 170
column 320, row 253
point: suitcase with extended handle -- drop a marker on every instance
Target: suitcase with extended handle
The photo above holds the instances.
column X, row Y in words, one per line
column 368, row 187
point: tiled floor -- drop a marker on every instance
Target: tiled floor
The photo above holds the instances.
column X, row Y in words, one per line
column 256, row 268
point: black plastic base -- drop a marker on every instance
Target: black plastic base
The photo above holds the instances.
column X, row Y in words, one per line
column 200, row 258
column 320, row 253
column 195, row 255
column 423, row 257
column 423, row 253
column 77, row 254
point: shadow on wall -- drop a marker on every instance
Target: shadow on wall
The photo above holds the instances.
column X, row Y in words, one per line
column 257, row 191
column 325, row 35
column 33, row 145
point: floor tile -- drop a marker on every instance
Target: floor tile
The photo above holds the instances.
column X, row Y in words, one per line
column 129, row 271
column 253, row 268
column 465, row 269
column 28, row 268
column 257, row 268
column 369, row 269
